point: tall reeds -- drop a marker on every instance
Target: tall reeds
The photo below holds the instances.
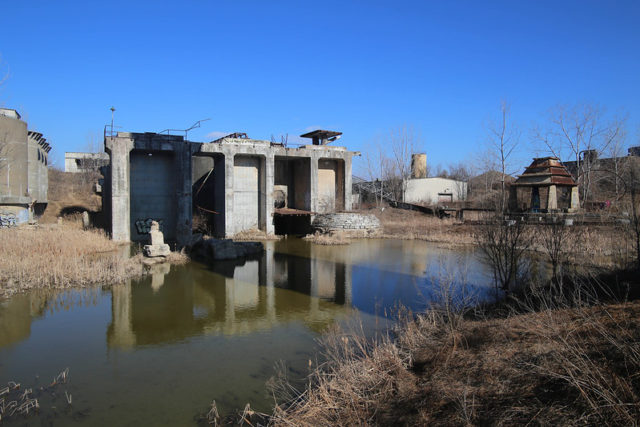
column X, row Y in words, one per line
column 61, row 257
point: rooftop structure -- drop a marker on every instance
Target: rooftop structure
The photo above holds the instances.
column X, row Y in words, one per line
column 545, row 171
column 322, row 137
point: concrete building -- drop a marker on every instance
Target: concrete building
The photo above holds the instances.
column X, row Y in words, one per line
column 84, row 162
column 431, row 191
column 240, row 183
column 544, row 177
column 434, row 191
column 23, row 170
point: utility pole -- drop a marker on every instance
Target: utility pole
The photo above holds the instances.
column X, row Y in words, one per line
column 112, row 110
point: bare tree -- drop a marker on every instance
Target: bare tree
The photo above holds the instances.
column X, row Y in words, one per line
column 461, row 173
column 617, row 164
column 374, row 167
column 503, row 140
column 580, row 132
column 403, row 143
column 503, row 245
column 557, row 241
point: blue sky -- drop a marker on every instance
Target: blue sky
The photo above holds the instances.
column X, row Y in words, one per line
column 278, row 67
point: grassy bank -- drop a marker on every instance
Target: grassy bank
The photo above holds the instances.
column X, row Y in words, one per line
column 596, row 245
column 63, row 256
column 561, row 365
column 328, row 239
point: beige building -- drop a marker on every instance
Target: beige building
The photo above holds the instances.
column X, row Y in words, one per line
column 431, row 191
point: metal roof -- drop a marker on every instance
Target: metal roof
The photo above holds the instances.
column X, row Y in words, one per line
column 545, row 171
column 322, row 134
column 322, row 137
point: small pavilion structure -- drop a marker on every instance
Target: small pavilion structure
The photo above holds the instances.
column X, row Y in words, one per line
column 546, row 173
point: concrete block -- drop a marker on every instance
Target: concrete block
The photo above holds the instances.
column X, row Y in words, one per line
column 153, row 251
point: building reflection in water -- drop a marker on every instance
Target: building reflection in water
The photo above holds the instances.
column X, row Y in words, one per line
column 16, row 315
column 230, row 298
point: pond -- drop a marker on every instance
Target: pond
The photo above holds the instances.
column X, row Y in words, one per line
column 159, row 350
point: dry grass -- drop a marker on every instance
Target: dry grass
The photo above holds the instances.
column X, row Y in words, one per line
column 402, row 224
column 178, row 258
column 253, row 234
column 569, row 366
column 64, row 256
column 597, row 245
column 328, row 239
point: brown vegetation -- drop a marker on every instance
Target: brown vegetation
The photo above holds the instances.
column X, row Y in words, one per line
column 597, row 245
column 328, row 239
column 559, row 366
column 402, row 224
column 254, row 234
column 563, row 351
column 64, row 256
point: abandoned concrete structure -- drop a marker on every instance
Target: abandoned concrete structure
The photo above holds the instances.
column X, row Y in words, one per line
column 545, row 175
column 84, row 162
column 23, row 170
column 237, row 183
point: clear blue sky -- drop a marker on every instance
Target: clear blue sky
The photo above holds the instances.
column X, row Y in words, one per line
column 276, row 67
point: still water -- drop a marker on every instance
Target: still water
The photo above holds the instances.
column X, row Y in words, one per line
column 157, row 351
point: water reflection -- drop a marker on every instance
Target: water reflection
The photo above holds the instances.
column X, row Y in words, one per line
column 229, row 298
column 293, row 281
column 16, row 314
column 185, row 335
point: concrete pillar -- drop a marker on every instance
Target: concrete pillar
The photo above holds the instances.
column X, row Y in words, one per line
column 219, row 201
column 348, row 196
column 228, row 194
column 269, row 175
column 184, row 208
column 575, row 199
column 552, row 198
column 119, row 149
column 313, row 191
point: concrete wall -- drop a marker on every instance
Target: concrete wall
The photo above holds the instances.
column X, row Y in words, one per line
column 244, row 179
column 219, row 196
column 152, row 194
column 246, row 193
column 142, row 186
column 84, row 162
column 300, row 192
column 14, row 179
column 434, row 190
column 23, row 169
column 38, row 169
column 346, row 221
column 327, row 174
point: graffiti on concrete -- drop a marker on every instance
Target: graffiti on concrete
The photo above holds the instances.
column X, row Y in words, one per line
column 143, row 226
column 8, row 220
